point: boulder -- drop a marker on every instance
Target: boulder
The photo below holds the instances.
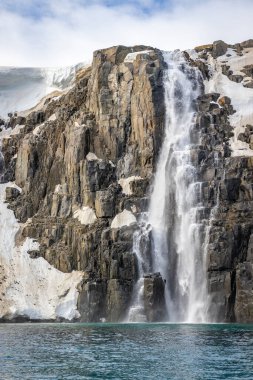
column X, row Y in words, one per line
column 219, row 48
column 154, row 300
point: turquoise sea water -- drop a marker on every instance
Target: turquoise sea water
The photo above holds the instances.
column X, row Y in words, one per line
column 126, row 351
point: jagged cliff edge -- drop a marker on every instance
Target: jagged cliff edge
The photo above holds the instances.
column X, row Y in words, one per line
column 78, row 173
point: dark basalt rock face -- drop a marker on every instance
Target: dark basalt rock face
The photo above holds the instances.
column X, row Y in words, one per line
column 71, row 154
column 227, row 189
column 116, row 112
column 154, row 300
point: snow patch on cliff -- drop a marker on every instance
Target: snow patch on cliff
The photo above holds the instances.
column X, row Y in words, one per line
column 61, row 189
column 131, row 57
column 6, row 133
column 241, row 100
column 85, row 215
column 237, row 62
column 38, row 129
column 52, row 117
column 124, row 218
column 125, row 184
column 92, row 157
column 29, row 287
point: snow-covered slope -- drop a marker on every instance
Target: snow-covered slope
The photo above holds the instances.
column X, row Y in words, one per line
column 231, row 75
column 241, row 97
column 23, row 88
column 32, row 288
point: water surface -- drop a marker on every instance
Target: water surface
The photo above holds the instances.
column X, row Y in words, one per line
column 126, row 351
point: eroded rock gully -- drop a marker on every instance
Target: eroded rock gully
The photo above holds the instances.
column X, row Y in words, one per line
column 69, row 157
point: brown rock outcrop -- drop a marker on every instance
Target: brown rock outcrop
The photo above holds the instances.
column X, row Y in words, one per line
column 68, row 160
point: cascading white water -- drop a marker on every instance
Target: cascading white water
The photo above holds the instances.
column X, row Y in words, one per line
column 175, row 201
column 177, row 235
column 141, row 240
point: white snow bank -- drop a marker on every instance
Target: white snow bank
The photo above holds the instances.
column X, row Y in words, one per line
column 92, row 157
column 125, row 184
column 85, row 215
column 237, row 62
column 242, row 101
column 131, row 57
column 31, row 287
column 124, row 218
column 38, row 129
column 23, row 88
column 52, row 117
column 61, row 189
column 6, row 133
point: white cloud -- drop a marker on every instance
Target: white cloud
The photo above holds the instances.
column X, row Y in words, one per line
column 69, row 31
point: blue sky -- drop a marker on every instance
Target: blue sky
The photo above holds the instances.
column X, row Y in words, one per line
column 63, row 32
column 37, row 9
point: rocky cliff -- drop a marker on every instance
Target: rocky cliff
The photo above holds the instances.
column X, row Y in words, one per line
column 78, row 173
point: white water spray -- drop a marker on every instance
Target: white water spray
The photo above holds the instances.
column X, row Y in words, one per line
column 175, row 202
column 177, row 235
column 141, row 241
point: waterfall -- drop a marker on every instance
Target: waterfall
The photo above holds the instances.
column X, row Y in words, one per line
column 141, row 243
column 178, row 233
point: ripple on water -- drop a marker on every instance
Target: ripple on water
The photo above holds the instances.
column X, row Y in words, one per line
column 126, row 351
